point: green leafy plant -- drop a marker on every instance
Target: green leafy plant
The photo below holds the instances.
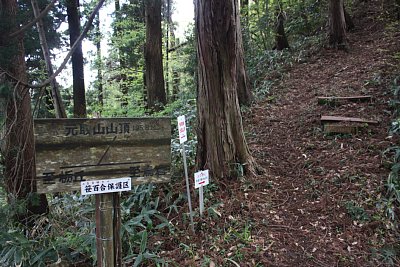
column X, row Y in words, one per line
column 356, row 212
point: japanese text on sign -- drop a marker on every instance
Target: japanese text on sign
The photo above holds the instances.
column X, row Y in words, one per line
column 201, row 178
column 182, row 129
column 106, row 186
column 71, row 151
column 135, row 171
column 112, row 128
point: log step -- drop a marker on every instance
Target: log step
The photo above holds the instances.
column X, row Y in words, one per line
column 345, row 119
column 335, row 99
column 341, row 129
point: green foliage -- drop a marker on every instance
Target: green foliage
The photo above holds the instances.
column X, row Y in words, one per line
column 51, row 238
column 304, row 21
column 392, row 185
column 356, row 212
column 388, row 254
column 5, row 90
column 33, row 51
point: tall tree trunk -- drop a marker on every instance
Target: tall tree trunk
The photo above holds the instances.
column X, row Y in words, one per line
column 349, row 21
column 99, row 61
column 123, row 66
column 281, row 41
column 156, row 96
column 244, row 21
column 171, row 43
column 18, row 151
column 245, row 94
column 167, row 43
column 77, row 60
column 221, row 141
column 55, row 92
column 337, row 25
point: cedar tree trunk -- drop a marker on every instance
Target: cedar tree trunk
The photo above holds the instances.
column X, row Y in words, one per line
column 123, row 66
column 221, row 141
column 55, row 92
column 99, row 61
column 349, row 21
column 281, row 41
column 156, row 96
column 77, row 59
column 337, row 25
column 245, row 94
column 18, row 151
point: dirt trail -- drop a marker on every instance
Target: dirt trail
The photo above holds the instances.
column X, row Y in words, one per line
column 316, row 205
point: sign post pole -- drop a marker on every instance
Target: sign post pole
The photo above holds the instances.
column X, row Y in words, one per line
column 182, row 140
column 201, row 200
column 75, row 153
column 105, row 230
column 201, row 179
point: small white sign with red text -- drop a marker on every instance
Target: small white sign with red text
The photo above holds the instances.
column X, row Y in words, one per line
column 201, row 178
column 182, row 129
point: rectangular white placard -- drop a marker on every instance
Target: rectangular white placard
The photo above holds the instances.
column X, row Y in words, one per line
column 201, row 178
column 106, row 186
column 182, row 129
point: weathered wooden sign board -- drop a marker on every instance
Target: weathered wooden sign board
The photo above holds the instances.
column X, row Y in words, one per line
column 69, row 151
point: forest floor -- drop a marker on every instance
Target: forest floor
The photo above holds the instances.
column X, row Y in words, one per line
column 316, row 204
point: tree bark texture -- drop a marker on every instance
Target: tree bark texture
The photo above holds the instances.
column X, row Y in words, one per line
column 221, row 141
column 281, row 41
column 18, row 151
column 123, row 65
column 99, row 61
column 55, row 92
column 156, row 95
column 349, row 21
column 337, row 24
column 77, row 60
column 245, row 93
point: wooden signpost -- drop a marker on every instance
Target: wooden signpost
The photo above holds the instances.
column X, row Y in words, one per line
column 100, row 156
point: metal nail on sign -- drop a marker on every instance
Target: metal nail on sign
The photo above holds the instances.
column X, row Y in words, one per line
column 71, row 151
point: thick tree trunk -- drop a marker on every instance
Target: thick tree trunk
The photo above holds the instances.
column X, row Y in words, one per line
column 221, row 141
column 156, row 96
column 77, row 60
column 337, row 25
column 55, row 92
column 245, row 94
column 18, row 151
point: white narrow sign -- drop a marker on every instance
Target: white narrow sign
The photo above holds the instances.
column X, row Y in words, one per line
column 201, row 179
column 106, row 186
column 182, row 140
column 182, row 129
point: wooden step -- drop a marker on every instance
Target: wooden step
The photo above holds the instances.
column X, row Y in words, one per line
column 341, row 129
column 345, row 119
column 335, row 99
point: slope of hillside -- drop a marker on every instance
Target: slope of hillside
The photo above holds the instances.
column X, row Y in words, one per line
column 324, row 188
column 317, row 203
